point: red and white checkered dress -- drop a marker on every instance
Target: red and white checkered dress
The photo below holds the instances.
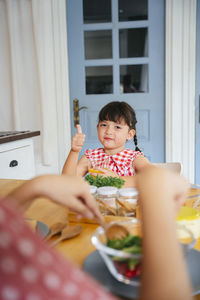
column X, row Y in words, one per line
column 120, row 163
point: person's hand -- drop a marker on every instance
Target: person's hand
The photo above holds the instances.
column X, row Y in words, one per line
column 78, row 140
column 74, row 193
column 161, row 181
column 71, row 191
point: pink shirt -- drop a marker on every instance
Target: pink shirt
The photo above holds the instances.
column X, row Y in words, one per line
column 120, row 163
column 30, row 270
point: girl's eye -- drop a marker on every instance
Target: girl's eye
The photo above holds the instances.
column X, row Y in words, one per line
column 102, row 125
column 118, row 127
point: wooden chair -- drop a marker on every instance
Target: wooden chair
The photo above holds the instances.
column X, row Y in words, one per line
column 173, row 166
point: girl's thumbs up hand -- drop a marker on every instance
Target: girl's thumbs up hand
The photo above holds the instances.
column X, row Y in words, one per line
column 78, row 139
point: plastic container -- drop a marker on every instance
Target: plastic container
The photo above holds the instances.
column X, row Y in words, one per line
column 127, row 202
column 106, row 197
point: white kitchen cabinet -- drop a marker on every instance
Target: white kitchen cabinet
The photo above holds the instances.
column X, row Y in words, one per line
column 17, row 159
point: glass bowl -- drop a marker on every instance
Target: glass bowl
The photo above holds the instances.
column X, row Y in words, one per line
column 126, row 267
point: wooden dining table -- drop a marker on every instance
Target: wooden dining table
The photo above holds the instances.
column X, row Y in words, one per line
column 46, row 211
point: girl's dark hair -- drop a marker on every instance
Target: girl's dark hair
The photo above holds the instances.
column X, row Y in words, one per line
column 115, row 111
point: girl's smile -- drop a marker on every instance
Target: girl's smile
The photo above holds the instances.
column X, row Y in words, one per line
column 113, row 135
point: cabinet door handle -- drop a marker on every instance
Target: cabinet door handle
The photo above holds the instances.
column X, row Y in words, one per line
column 13, row 163
column 76, row 111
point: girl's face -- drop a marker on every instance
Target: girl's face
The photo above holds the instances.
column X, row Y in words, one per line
column 113, row 135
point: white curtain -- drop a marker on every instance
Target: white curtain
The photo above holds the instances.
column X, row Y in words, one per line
column 29, row 72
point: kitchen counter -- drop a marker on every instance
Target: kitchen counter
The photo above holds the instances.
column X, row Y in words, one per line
column 11, row 136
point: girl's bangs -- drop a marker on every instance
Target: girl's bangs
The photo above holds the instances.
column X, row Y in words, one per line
column 114, row 116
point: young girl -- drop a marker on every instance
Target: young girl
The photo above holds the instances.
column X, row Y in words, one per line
column 116, row 125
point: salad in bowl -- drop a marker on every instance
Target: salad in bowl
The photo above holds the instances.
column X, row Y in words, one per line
column 123, row 257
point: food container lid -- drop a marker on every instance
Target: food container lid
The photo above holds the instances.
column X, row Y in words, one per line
column 128, row 192
column 107, row 190
column 93, row 189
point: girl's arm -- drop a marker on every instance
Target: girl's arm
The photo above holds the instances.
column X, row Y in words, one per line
column 71, row 163
column 70, row 166
column 83, row 165
column 74, row 167
column 164, row 273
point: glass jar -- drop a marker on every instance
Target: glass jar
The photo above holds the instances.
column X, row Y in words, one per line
column 127, row 202
column 93, row 190
column 106, row 197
